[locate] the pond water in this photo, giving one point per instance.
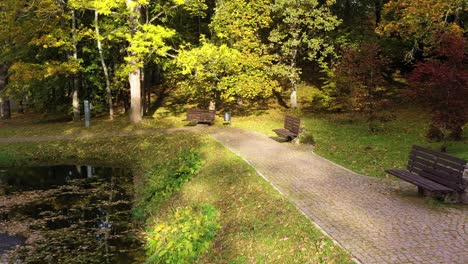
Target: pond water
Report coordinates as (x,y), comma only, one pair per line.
(68,214)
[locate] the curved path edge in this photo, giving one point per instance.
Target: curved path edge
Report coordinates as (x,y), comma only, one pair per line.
(367,216)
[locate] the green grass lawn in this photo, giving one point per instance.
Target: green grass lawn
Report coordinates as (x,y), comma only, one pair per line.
(257,223)
(341,138)
(347,141)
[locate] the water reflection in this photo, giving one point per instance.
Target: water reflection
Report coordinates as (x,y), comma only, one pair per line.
(69,214)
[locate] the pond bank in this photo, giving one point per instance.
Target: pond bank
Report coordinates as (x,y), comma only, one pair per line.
(70,213)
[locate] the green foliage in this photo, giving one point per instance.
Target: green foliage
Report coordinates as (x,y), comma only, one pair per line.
(6,159)
(186,234)
(303,24)
(150,40)
(165,179)
(332,97)
(300,33)
(240,23)
(219,71)
(418,22)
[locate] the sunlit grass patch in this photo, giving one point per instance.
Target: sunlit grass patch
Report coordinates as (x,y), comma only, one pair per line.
(257,223)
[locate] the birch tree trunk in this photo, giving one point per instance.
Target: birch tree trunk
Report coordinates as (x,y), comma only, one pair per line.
(104,65)
(75,99)
(134,76)
(293,77)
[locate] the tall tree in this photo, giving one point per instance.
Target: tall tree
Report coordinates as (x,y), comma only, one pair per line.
(134,75)
(300,31)
(419,22)
(221,73)
(104,65)
(147,38)
(239,28)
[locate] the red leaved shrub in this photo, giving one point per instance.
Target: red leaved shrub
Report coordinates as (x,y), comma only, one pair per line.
(441,83)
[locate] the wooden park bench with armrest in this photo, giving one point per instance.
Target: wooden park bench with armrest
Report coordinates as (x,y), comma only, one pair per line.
(201,116)
(292,127)
(433,171)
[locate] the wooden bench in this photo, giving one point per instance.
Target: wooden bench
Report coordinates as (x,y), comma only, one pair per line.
(433,171)
(201,116)
(292,127)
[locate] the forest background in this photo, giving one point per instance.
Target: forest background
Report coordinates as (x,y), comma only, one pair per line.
(128,56)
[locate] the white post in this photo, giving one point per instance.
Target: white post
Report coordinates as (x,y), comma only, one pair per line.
(87,111)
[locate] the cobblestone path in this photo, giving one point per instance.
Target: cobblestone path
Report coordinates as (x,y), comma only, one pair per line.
(365,215)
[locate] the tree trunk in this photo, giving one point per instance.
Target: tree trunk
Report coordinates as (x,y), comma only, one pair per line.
(293,78)
(20,107)
(378,12)
(75,99)
(347,12)
(134,77)
(5,111)
(104,66)
(135,96)
(143,91)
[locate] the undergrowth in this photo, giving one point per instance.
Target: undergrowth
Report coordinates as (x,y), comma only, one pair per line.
(188,233)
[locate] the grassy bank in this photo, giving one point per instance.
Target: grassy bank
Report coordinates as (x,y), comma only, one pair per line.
(256,223)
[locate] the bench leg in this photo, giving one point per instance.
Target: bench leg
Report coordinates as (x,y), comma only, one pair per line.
(420,191)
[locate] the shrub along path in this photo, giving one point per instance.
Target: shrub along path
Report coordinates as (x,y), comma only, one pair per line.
(363,214)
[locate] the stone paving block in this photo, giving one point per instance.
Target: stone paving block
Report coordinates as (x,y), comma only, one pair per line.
(365,215)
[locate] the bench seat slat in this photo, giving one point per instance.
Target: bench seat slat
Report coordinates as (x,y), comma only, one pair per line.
(433,176)
(284,132)
(423,162)
(292,124)
(436,170)
(451,165)
(423,155)
(450,171)
(419,181)
(447,157)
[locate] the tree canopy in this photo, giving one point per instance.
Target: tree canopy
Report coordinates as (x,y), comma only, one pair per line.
(126,55)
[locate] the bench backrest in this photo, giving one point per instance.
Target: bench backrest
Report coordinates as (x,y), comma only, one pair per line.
(201,115)
(292,124)
(438,167)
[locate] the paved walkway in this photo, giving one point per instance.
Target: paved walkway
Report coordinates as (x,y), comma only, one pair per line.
(363,214)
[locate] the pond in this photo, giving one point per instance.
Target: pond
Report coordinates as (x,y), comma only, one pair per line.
(68,214)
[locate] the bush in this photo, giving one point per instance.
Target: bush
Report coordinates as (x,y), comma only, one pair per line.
(6,159)
(306,137)
(187,234)
(440,82)
(360,79)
